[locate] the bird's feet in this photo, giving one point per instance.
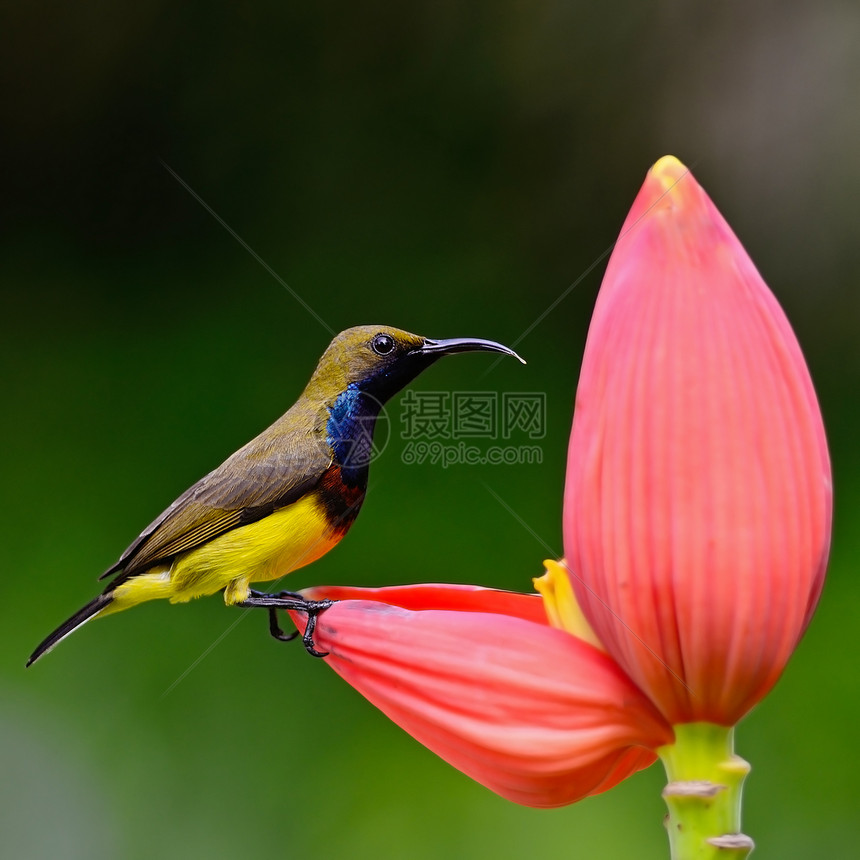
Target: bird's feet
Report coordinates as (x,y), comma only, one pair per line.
(289,600)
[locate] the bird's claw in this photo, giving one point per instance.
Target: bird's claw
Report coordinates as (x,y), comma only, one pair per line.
(289,600)
(308,635)
(275,628)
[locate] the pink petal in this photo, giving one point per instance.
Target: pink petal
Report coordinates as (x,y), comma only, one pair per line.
(531,712)
(698,495)
(437,595)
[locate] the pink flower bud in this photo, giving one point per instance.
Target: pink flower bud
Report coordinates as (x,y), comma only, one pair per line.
(698,497)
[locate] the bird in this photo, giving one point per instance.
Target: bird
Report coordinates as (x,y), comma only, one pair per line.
(282,500)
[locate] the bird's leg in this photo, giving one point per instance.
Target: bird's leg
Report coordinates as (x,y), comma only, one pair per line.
(290,601)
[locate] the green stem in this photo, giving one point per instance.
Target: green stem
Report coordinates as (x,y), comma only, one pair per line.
(704,794)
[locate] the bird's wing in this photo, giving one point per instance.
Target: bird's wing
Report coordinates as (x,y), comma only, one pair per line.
(249,485)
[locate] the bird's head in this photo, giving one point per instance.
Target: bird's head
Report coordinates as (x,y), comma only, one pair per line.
(381,360)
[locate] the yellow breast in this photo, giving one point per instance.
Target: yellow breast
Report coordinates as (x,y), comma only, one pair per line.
(270,548)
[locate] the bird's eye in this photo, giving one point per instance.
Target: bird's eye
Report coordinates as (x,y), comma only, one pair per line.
(382,344)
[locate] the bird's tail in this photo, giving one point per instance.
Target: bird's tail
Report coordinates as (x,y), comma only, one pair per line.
(93,608)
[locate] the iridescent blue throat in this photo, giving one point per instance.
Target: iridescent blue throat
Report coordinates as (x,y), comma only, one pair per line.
(349,432)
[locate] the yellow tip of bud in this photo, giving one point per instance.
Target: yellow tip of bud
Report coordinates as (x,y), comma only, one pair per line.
(669,169)
(671,183)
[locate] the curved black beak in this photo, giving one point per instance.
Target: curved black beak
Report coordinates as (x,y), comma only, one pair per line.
(438,348)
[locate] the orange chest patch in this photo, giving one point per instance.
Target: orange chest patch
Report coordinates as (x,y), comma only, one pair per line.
(340,501)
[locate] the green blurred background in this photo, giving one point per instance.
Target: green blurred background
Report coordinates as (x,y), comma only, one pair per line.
(445,167)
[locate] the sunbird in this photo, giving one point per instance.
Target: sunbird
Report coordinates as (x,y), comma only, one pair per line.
(281,501)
